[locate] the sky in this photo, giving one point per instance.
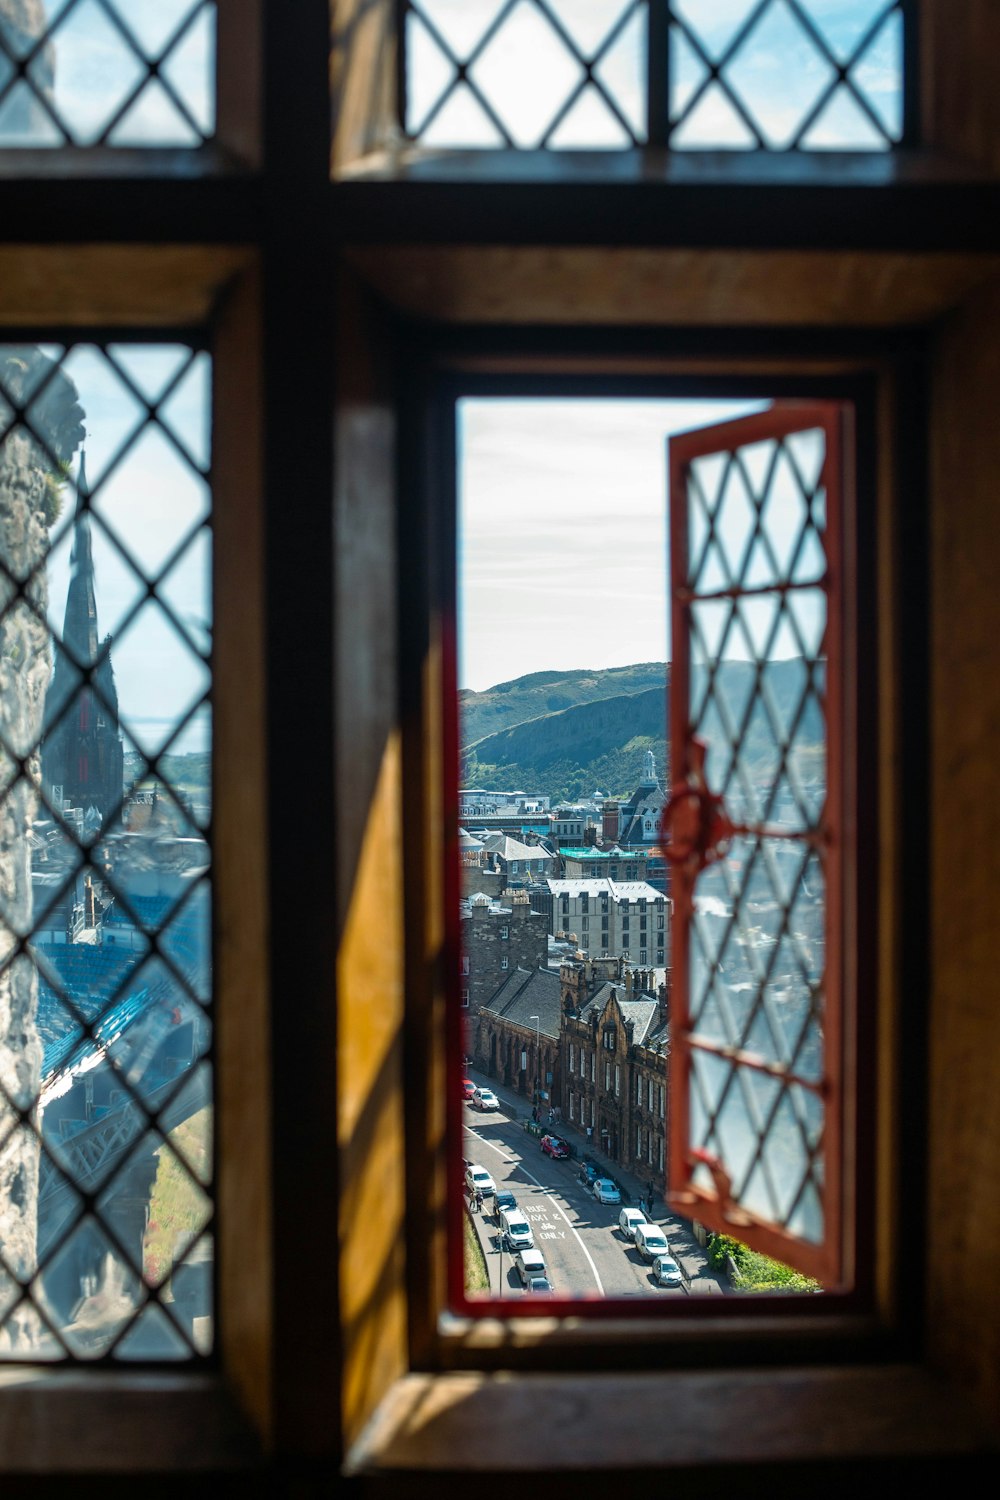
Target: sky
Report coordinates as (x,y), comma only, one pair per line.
(562,532)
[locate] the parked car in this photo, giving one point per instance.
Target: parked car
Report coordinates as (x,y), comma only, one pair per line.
(650,1241)
(468,1088)
(485,1099)
(515,1231)
(529,1263)
(606,1191)
(553,1146)
(503,1200)
(666,1271)
(627,1221)
(478,1177)
(540,1285)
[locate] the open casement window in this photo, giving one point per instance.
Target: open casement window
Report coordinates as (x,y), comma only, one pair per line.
(754,831)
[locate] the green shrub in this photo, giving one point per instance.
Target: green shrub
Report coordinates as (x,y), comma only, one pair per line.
(756,1272)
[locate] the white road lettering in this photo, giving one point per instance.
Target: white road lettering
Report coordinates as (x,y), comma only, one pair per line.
(513,1161)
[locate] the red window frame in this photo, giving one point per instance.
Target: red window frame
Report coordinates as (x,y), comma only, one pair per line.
(697,831)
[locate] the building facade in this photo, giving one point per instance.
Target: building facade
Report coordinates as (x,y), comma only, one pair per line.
(519,1037)
(629,918)
(497,938)
(615,1040)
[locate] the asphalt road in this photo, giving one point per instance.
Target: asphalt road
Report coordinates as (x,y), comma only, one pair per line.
(585,1254)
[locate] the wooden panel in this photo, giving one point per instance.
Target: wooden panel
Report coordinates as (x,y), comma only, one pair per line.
(963,1285)
(238,86)
(145,286)
(593,1429)
(368,858)
(244,1115)
(523,285)
(961,102)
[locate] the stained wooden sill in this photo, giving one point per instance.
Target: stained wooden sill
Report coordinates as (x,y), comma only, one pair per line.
(688,1429)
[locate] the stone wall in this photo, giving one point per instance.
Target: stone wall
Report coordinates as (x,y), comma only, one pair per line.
(27,379)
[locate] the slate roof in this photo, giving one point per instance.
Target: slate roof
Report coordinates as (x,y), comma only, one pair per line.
(596,885)
(644,1013)
(526,994)
(511,848)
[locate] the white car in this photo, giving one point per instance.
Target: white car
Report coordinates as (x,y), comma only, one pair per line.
(606,1191)
(516,1231)
(484,1099)
(627,1220)
(477,1178)
(666,1271)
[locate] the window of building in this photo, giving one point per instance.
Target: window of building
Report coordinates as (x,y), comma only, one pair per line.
(572,1057)
(607,1077)
(106,953)
(464,964)
(464,996)
(505,932)
(642,955)
(692,75)
(617,1079)
(311,1365)
(109,76)
(505,962)
(583,1063)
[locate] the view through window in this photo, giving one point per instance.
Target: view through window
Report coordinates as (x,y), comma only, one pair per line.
(107,72)
(572,906)
(694,74)
(105,896)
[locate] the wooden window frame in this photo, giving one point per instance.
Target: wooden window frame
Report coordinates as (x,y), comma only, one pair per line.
(351,1383)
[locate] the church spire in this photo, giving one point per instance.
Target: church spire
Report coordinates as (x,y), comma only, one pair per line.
(80,622)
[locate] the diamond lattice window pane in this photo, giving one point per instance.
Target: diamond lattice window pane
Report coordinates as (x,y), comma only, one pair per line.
(781,74)
(105,916)
(526,73)
(99,72)
(754,925)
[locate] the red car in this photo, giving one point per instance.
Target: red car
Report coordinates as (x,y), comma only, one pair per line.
(553,1146)
(468,1088)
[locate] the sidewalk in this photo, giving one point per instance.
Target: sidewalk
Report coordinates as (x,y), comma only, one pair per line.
(689,1254)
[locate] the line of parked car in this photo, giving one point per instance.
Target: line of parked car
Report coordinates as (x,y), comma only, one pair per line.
(513,1228)
(651,1242)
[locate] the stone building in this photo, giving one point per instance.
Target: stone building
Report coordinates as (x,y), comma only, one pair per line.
(518,862)
(626,917)
(615,1037)
(519,1036)
(497,937)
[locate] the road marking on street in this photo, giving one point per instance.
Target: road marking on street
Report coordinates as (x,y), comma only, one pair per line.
(518,1161)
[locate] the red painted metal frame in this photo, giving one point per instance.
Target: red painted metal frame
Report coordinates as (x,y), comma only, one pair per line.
(832,1261)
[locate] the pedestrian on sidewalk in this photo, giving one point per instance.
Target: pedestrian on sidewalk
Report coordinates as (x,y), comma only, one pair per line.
(479,1199)
(649,1195)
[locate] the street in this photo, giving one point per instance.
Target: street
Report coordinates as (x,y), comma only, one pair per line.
(584,1251)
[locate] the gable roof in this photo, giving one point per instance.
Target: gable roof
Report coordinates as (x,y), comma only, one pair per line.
(526,994)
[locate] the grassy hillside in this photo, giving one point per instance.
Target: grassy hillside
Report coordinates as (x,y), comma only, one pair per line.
(601,742)
(539,693)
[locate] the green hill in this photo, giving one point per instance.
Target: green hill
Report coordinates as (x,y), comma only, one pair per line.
(600,743)
(541,693)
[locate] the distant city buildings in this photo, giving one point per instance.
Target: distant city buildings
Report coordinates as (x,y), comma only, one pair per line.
(627,918)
